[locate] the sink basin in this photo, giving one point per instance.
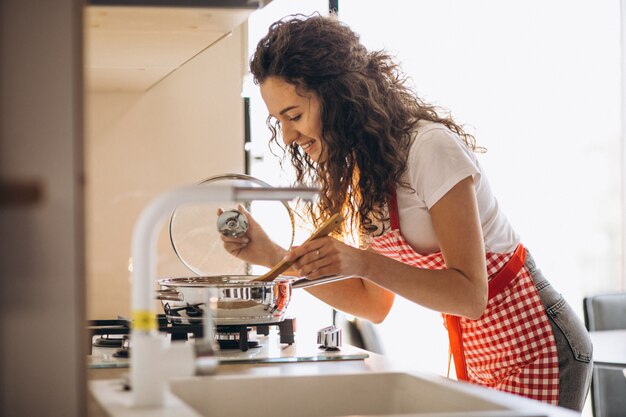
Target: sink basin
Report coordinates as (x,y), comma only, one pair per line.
(365,394)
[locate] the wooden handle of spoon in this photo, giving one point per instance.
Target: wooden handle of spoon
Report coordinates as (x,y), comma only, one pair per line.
(327,227)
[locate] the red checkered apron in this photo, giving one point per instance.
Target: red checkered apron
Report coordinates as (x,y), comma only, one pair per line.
(511,347)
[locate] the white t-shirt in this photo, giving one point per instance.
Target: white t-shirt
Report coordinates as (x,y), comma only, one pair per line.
(438,160)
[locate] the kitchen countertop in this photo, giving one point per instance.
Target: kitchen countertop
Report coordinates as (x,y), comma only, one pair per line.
(109,399)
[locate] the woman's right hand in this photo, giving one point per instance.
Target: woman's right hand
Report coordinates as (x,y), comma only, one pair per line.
(255,247)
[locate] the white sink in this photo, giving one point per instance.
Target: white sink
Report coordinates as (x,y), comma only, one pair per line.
(366,394)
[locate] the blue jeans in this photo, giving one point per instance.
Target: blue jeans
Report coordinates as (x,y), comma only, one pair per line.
(573,343)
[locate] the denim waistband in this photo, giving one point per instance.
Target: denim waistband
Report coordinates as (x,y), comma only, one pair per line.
(535,273)
(530,263)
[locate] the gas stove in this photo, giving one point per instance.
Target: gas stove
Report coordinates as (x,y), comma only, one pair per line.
(109,342)
(113,333)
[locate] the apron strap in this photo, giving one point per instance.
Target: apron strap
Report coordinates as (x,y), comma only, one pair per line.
(496,286)
(508,272)
(453,324)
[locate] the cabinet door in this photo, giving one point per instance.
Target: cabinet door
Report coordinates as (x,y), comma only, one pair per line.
(41,249)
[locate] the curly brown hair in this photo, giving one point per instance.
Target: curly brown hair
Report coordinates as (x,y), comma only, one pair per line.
(369,115)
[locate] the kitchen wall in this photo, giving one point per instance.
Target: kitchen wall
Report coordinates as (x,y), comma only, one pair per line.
(139,144)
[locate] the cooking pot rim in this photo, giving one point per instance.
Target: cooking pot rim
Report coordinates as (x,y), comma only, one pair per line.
(220,281)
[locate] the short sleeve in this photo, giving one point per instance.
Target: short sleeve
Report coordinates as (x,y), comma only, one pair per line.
(439,160)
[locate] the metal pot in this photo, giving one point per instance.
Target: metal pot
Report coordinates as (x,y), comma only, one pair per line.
(240,299)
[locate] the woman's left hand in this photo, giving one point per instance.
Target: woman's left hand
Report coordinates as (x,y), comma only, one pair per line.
(327,256)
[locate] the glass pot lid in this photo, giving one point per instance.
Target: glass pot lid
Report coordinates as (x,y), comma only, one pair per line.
(195,238)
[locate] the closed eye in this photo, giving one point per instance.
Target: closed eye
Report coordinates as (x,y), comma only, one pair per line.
(295,118)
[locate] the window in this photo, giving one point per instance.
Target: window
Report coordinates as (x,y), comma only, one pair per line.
(538,83)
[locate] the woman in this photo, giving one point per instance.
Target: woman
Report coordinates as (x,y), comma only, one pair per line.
(408,181)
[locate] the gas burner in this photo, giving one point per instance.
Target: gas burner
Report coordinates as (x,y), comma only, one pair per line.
(109,341)
(123,352)
(235,337)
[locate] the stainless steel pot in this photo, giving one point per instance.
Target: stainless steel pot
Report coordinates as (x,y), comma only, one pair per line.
(240,300)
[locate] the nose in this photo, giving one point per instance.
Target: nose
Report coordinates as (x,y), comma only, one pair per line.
(290,134)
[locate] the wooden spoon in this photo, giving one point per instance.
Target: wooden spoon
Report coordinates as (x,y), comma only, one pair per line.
(328,226)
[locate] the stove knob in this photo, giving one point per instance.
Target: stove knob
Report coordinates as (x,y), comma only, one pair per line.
(322,332)
(329,338)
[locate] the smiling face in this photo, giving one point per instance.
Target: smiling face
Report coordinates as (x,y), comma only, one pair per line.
(299,115)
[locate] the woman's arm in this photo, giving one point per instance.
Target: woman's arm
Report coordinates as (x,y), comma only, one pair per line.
(357,297)
(461,289)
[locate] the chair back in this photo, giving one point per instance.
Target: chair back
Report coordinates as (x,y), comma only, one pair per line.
(605,312)
(608,385)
